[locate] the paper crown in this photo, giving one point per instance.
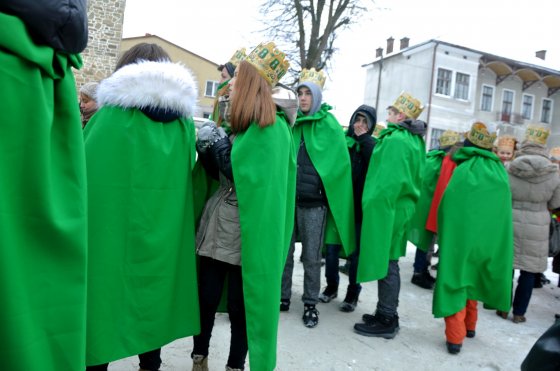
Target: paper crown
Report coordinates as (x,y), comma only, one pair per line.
(537,134)
(480,136)
(449,138)
(408,105)
(555,152)
(506,142)
(238,56)
(269,61)
(316,77)
(379,127)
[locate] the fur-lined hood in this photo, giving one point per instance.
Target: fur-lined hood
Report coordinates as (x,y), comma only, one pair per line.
(163,86)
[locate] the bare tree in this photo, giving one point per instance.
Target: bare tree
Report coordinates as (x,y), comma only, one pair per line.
(308,29)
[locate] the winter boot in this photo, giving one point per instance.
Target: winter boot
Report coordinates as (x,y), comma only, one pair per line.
(284,305)
(310,316)
(233,369)
(453,348)
(350,301)
(423,280)
(200,362)
(328,294)
(381,326)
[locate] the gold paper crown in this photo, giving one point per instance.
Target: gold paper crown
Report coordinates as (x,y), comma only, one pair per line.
(269,61)
(537,134)
(449,138)
(480,136)
(379,127)
(506,141)
(408,105)
(238,56)
(316,77)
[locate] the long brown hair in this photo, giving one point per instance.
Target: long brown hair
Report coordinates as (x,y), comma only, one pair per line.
(252,99)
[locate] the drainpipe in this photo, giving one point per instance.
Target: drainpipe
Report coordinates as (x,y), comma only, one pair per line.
(430,94)
(379,83)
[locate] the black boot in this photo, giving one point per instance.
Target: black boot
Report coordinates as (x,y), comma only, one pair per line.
(423,280)
(350,301)
(453,348)
(380,326)
(328,294)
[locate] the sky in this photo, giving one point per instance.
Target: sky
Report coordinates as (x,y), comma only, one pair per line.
(214,29)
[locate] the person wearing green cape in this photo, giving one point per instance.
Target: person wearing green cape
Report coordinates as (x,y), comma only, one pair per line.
(43,200)
(391,190)
(418,235)
(245,228)
(360,147)
(140,152)
(323,192)
(222,94)
(475,235)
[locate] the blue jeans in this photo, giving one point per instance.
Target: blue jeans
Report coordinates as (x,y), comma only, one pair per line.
(331,268)
(422,258)
(523,292)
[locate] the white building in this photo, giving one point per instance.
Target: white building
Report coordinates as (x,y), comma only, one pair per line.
(459,85)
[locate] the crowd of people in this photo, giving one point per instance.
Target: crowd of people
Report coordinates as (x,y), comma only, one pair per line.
(143,228)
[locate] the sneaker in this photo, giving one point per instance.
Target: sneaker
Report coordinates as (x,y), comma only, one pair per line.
(422,280)
(310,316)
(453,348)
(328,294)
(350,302)
(382,326)
(471,333)
(519,319)
(284,305)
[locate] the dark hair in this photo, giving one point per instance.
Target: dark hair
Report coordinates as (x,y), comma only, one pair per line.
(142,51)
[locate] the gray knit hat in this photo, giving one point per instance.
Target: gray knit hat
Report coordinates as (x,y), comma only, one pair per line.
(90,89)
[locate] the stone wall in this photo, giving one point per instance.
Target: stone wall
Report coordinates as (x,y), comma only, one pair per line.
(105,21)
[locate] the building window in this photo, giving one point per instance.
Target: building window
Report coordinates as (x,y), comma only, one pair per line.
(443,85)
(487,98)
(434,138)
(507,105)
(462,86)
(211,88)
(527,109)
(546,113)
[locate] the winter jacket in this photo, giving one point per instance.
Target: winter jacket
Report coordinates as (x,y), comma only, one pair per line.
(360,149)
(59,24)
(309,187)
(535,188)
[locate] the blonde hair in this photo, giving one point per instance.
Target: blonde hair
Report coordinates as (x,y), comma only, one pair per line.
(252,100)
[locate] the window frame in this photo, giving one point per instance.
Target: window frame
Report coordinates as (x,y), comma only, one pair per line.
(214,88)
(550,110)
(450,82)
(512,101)
(532,109)
(435,133)
(457,85)
(491,103)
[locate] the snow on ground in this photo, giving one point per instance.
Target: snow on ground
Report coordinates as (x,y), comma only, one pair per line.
(420,345)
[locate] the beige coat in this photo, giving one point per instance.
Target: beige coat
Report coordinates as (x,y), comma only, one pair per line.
(535,188)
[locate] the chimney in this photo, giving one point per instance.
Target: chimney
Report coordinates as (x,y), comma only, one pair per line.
(378,52)
(404,43)
(390,45)
(541,54)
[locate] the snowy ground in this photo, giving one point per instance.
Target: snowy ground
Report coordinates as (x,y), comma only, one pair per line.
(420,345)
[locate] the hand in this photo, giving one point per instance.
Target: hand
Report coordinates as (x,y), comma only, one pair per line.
(360,130)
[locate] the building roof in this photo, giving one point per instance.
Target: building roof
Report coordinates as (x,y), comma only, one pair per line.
(503,67)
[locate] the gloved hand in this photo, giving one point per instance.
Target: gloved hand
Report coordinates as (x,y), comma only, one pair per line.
(206,136)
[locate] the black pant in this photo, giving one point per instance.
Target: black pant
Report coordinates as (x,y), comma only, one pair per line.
(212,276)
(148,361)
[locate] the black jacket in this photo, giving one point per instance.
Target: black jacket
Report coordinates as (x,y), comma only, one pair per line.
(309,187)
(60,24)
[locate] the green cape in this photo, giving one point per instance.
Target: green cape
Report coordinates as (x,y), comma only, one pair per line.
(142,285)
(475,235)
(42,206)
(417,234)
(326,144)
(264,170)
(391,190)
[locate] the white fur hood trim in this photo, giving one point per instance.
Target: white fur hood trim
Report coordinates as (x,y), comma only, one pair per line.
(161,85)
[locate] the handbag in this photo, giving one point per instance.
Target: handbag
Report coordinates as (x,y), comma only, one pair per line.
(554,238)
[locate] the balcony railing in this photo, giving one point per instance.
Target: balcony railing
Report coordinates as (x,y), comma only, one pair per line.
(512,118)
